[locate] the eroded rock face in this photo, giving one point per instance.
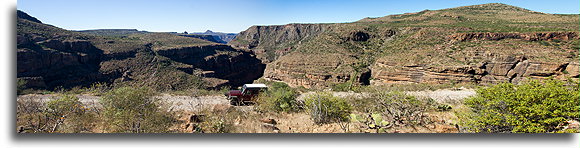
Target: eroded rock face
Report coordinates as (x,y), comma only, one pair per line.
(542,36)
(219,61)
(311,70)
(51,63)
(502,69)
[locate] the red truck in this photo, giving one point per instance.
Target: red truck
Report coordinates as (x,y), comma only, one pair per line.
(246,94)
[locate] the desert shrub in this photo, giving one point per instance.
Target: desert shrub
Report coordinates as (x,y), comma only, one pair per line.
(397,107)
(70,115)
(31,117)
(217,124)
(325,108)
(65,114)
(532,107)
(400,107)
(134,110)
(278,98)
(224,120)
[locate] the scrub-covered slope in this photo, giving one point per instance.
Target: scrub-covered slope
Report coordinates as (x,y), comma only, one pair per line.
(486,43)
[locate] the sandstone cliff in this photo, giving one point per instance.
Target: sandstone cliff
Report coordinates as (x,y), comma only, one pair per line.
(504,69)
(50,62)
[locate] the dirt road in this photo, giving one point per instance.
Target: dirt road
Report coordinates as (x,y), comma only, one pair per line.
(195,103)
(441,96)
(175,103)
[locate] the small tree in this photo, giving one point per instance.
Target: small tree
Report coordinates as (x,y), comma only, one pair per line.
(69,115)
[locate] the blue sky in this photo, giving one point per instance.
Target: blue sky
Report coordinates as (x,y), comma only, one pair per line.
(238,15)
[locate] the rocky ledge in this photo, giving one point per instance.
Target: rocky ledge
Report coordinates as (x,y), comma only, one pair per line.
(536,36)
(502,69)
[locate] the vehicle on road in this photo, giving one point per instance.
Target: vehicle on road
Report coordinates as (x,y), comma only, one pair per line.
(246,94)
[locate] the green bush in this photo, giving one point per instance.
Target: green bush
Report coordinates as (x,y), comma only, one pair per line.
(65,105)
(134,110)
(20,86)
(532,107)
(279,98)
(69,115)
(325,108)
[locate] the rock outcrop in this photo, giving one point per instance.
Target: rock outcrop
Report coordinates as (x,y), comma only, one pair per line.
(311,71)
(502,69)
(218,61)
(51,63)
(539,36)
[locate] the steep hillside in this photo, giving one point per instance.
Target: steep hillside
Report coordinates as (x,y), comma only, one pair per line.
(50,57)
(271,42)
(487,43)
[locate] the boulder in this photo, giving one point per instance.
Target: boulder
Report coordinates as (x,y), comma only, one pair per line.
(573,69)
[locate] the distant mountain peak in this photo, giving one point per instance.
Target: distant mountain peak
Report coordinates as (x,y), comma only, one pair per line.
(209,31)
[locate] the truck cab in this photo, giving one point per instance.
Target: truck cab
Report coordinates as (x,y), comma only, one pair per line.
(246,94)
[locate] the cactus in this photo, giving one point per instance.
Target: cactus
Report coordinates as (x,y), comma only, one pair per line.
(373,121)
